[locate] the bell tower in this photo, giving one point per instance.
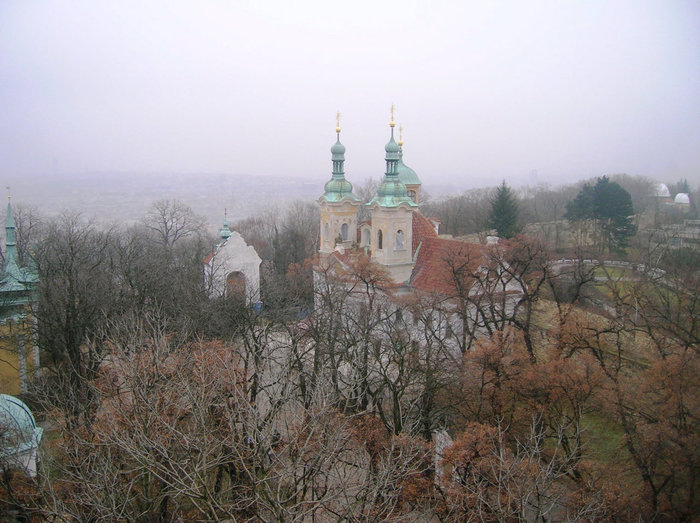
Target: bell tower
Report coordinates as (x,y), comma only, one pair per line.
(392,217)
(338,204)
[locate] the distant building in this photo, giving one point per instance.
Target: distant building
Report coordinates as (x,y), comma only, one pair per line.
(661,193)
(19,353)
(233,268)
(666,202)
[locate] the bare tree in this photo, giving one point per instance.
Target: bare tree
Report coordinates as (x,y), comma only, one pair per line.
(29,222)
(171,221)
(76,296)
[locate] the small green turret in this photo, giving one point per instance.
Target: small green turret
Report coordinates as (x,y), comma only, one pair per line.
(225,232)
(392,191)
(338,188)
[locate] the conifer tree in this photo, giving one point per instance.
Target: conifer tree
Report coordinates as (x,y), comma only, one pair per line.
(610,206)
(504,212)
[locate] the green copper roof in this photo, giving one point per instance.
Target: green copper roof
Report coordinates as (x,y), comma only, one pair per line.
(392,191)
(338,150)
(225,232)
(407,175)
(338,188)
(17,284)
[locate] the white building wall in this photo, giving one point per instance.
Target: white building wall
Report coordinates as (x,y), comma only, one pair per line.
(234,255)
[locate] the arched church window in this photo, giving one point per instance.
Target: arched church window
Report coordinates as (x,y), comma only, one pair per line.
(326,232)
(344,231)
(379,239)
(365,237)
(399,239)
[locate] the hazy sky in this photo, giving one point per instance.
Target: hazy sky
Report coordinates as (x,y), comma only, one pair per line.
(527,91)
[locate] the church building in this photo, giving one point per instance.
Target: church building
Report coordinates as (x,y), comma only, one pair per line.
(393,234)
(395,229)
(232,269)
(402,241)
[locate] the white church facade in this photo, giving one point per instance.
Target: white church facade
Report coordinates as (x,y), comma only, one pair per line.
(233,268)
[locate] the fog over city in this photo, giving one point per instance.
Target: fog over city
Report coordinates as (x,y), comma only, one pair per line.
(530,92)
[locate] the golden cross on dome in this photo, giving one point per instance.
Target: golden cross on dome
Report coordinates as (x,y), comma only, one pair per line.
(9,195)
(391,124)
(337,122)
(400,135)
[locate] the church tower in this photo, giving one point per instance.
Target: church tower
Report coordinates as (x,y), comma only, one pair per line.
(338,204)
(392,217)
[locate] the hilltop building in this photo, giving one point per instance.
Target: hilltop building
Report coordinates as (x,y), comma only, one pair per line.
(664,201)
(405,243)
(233,268)
(19,352)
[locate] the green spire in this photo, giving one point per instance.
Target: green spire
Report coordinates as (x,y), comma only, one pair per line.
(11,265)
(338,188)
(225,232)
(392,191)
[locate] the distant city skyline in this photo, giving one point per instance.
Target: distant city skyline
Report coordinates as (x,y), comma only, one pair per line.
(530,92)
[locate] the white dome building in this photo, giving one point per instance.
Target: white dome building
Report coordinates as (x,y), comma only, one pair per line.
(682,198)
(661,191)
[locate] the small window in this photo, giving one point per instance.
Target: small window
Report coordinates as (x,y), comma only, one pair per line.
(326,232)
(344,232)
(399,240)
(379,240)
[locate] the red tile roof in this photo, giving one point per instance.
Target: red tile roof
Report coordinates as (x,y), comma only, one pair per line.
(441,263)
(422,228)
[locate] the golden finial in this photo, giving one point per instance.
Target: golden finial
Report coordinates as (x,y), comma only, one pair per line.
(391,123)
(9,195)
(400,135)
(337,122)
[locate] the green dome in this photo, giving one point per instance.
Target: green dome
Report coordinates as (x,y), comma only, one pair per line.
(18,430)
(391,187)
(338,148)
(337,189)
(225,232)
(407,175)
(392,191)
(392,148)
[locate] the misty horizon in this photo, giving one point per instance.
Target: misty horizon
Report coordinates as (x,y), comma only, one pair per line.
(534,93)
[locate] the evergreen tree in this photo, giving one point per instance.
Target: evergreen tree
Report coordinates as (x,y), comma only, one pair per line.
(610,206)
(581,207)
(504,212)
